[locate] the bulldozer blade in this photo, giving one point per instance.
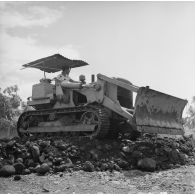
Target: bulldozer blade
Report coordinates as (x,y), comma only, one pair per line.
(158,113)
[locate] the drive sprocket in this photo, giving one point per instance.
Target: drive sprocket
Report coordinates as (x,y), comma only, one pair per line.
(98,116)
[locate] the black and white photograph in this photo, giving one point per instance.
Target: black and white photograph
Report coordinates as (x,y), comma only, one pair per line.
(97,97)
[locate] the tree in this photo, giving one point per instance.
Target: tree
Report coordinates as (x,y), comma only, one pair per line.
(5,107)
(191,110)
(14,99)
(9,109)
(25,107)
(190,120)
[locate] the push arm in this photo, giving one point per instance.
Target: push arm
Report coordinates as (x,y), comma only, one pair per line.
(118,83)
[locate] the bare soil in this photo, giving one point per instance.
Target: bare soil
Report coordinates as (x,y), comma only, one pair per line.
(179,180)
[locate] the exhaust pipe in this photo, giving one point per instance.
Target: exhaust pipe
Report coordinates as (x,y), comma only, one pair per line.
(92,78)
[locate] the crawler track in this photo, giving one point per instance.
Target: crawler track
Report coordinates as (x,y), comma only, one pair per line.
(90,114)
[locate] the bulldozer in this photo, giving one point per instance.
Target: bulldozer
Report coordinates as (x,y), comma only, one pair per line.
(99,109)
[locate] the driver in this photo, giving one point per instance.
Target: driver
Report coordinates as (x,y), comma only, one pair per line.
(64,76)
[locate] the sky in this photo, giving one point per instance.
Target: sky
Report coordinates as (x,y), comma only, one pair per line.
(148,43)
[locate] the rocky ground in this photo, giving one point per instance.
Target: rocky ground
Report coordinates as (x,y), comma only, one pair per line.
(179,180)
(71,164)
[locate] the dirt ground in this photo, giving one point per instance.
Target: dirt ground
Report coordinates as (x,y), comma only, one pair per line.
(179,180)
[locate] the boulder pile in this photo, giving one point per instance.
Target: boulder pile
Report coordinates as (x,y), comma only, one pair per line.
(58,154)
(152,153)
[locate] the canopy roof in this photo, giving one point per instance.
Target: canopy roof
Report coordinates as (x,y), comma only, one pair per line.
(54,63)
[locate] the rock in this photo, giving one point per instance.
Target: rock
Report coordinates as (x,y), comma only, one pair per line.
(19,160)
(45,189)
(42,158)
(185,149)
(157,151)
(35,152)
(107,146)
(94,154)
(32,169)
(27,144)
(167,150)
(57,161)
(30,163)
(136,154)
(64,153)
(44,144)
(24,150)
(18,151)
(10,144)
(17,177)
(105,155)
(99,147)
(163,158)
(28,155)
(70,170)
(60,168)
(159,142)
(126,149)
(167,166)
(48,162)
(88,166)
(171,166)
(7,170)
(78,168)
(26,171)
(74,147)
(19,167)
(62,162)
(37,167)
(44,168)
(74,154)
(97,169)
(183,158)
(174,156)
(187,137)
(83,148)
(116,167)
(190,153)
(11,159)
(62,146)
(68,163)
(122,154)
(50,158)
(111,166)
(177,166)
(122,163)
(147,164)
(175,145)
(104,167)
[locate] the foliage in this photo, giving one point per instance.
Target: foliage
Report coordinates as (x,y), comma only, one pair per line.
(5,107)
(25,107)
(6,127)
(14,99)
(9,108)
(9,102)
(190,120)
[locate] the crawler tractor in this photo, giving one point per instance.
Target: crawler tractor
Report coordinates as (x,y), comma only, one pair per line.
(98,109)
